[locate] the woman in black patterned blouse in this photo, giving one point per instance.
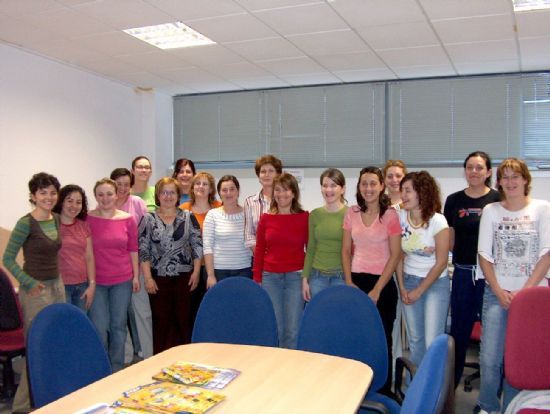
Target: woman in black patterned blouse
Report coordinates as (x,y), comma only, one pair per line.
(170,251)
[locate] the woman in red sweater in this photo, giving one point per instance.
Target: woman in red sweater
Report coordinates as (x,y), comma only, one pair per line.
(281,239)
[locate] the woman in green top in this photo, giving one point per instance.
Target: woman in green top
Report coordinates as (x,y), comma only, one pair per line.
(37,233)
(323,263)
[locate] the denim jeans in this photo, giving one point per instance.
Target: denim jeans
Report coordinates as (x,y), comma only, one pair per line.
(321,280)
(109,315)
(73,295)
(491,358)
(285,291)
(427,317)
(222,274)
(466,303)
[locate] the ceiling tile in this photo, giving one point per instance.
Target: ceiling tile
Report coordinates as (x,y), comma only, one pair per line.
(238,71)
(535,53)
(255,5)
(322,78)
(350,61)
(399,35)
(361,13)
(475,29)
(124,14)
(534,23)
(500,66)
(291,66)
(437,9)
(328,43)
(377,74)
(144,80)
(264,82)
(414,56)
(424,71)
(306,18)
(187,9)
(155,61)
(115,43)
(69,51)
(268,48)
(20,34)
(207,55)
(232,28)
(111,67)
(498,50)
(20,7)
(178,89)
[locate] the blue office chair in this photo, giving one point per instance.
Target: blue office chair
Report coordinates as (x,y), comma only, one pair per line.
(236,311)
(64,353)
(431,390)
(343,321)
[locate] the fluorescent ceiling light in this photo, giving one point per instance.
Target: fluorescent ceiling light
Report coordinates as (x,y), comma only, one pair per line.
(527,5)
(170,36)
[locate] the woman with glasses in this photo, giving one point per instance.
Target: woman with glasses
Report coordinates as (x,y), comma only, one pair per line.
(170,251)
(184,171)
(141,171)
(463,213)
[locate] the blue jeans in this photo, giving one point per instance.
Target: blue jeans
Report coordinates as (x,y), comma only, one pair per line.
(73,294)
(319,280)
(109,315)
(222,274)
(427,317)
(491,358)
(285,291)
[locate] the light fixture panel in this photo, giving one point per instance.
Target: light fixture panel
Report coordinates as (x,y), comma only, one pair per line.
(170,36)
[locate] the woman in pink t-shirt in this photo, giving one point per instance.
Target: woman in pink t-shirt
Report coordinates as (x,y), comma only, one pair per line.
(76,256)
(114,238)
(372,228)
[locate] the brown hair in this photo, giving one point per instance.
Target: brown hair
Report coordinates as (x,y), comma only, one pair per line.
(182,162)
(211,184)
(268,159)
(161,184)
(288,182)
(427,190)
(335,175)
(394,163)
(384,201)
(140,157)
(517,166)
(105,181)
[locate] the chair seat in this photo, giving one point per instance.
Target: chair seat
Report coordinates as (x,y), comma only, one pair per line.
(12,340)
(389,403)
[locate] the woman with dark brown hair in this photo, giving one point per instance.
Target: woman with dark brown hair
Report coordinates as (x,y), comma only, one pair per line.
(423,280)
(184,171)
(279,256)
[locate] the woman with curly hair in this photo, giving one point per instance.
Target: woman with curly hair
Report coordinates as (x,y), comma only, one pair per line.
(372,227)
(76,257)
(423,281)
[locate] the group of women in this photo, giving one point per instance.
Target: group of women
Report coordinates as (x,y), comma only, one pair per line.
(393,245)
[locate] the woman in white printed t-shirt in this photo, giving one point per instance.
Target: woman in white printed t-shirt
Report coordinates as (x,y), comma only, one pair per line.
(514,235)
(423,281)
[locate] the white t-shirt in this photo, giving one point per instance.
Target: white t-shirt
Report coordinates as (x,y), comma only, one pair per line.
(514,240)
(418,243)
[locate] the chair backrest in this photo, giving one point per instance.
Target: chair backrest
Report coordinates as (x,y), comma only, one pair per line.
(526,362)
(10,312)
(64,353)
(430,385)
(236,311)
(343,321)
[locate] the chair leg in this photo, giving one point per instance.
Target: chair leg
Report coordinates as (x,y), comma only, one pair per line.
(8,388)
(472,377)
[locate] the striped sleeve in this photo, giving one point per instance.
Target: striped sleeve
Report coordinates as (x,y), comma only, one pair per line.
(18,236)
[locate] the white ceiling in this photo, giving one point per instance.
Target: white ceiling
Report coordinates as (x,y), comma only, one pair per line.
(279,43)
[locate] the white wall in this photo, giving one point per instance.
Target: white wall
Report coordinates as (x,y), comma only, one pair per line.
(73,124)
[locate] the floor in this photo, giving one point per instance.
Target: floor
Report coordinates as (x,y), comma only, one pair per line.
(464,401)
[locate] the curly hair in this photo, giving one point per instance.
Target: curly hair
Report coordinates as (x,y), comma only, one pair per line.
(268,159)
(384,201)
(518,166)
(65,192)
(211,184)
(42,180)
(288,182)
(161,184)
(427,190)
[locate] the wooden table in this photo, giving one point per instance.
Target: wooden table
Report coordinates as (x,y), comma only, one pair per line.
(272,380)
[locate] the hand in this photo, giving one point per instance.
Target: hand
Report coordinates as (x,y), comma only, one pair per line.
(151,286)
(210,281)
(37,290)
(306,293)
(404,296)
(505,298)
(88,296)
(374,294)
(135,284)
(413,295)
(193,281)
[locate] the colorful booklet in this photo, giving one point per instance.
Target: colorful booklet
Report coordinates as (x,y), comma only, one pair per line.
(167,398)
(205,376)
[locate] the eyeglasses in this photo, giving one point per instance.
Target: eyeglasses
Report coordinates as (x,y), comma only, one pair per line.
(142,167)
(166,193)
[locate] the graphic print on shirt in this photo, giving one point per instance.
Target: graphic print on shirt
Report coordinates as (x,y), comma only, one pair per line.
(412,242)
(517,246)
(467,212)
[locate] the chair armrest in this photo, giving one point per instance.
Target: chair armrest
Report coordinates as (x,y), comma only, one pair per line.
(374,406)
(401,364)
